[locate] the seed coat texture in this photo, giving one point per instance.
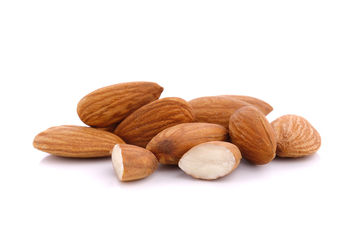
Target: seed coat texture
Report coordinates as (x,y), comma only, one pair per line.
(253,135)
(132,162)
(170,144)
(296,137)
(146,122)
(76,141)
(110,105)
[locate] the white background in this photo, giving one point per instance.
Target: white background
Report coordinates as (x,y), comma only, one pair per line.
(293,54)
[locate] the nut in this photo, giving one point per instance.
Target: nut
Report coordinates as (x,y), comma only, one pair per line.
(170,144)
(215,109)
(253,135)
(259,104)
(132,162)
(109,105)
(109,128)
(210,160)
(146,122)
(76,141)
(296,137)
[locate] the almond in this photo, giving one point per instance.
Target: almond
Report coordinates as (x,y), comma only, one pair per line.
(76,141)
(132,162)
(211,160)
(253,134)
(108,105)
(296,137)
(146,122)
(170,144)
(259,104)
(215,109)
(109,128)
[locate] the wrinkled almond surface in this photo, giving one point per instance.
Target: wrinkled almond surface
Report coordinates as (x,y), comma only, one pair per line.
(132,162)
(170,144)
(109,105)
(258,103)
(253,135)
(215,109)
(296,137)
(76,141)
(146,122)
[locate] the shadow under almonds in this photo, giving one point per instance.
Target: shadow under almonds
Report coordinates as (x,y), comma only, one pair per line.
(294,161)
(56,160)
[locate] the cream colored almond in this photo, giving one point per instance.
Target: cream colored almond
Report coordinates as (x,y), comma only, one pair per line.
(210,160)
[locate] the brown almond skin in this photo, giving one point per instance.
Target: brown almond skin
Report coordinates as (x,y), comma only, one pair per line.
(253,135)
(138,162)
(76,141)
(296,137)
(215,109)
(146,122)
(259,104)
(110,128)
(172,143)
(109,105)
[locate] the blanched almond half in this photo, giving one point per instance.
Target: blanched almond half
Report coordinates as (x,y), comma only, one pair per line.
(211,160)
(132,162)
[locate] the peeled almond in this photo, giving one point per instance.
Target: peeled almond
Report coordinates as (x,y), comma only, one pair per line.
(131,162)
(211,160)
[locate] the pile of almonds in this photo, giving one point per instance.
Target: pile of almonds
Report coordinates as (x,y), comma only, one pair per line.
(206,137)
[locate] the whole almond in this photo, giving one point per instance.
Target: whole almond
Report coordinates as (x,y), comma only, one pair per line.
(296,137)
(132,162)
(170,144)
(259,104)
(253,135)
(109,105)
(215,109)
(210,160)
(76,141)
(146,122)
